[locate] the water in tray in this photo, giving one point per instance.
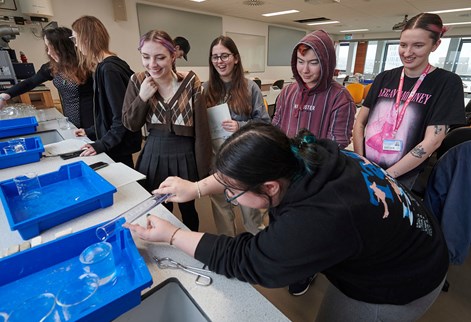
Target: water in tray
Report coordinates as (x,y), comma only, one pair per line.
(53,197)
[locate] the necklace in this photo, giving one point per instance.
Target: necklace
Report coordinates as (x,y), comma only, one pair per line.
(174,88)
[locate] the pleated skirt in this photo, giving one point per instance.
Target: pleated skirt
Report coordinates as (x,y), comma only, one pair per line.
(166,154)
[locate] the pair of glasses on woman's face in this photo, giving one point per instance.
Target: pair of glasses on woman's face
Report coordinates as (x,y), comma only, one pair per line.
(223,57)
(231,197)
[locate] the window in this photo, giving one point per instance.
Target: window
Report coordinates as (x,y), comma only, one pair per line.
(342,56)
(438,57)
(370,57)
(391,59)
(463,63)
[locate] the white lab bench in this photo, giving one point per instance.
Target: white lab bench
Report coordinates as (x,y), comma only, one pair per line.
(224,300)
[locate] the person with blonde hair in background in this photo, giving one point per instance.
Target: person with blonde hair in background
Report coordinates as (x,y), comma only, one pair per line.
(110,76)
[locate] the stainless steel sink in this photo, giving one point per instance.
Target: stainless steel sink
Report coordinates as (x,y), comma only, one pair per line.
(47,137)
(169,301)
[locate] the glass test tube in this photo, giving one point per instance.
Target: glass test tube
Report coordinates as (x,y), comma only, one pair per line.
(108,229)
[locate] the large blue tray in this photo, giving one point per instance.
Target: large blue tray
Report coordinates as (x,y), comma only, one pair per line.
(18,126)
(48,267)
(75,189)
(34,150)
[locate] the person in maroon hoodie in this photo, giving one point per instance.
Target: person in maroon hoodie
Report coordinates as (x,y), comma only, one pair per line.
(315,101)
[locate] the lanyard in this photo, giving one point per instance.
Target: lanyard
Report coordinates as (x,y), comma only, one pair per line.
(400,115)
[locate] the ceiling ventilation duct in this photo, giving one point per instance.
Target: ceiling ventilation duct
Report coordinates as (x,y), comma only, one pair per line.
(253,3)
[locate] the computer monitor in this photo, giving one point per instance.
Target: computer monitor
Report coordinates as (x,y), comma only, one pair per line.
(23,70)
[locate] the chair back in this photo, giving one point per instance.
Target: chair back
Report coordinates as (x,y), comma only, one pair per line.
(279,83)
(454,137)
(356,91)
(258,82)
(447,197)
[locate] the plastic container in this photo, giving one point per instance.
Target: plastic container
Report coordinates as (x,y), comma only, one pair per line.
(18,126)
(51,266)
(75,189)
(32,153)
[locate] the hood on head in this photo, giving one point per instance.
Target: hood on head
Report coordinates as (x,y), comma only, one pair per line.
(323,46)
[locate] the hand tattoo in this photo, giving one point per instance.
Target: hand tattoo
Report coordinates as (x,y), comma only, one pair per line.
(418,151)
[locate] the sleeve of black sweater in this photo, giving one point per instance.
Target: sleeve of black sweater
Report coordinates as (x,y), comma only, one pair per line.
(114,87)
(291,249)
(43,75)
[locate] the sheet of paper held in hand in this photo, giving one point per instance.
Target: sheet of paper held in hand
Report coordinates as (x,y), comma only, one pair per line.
(216,115)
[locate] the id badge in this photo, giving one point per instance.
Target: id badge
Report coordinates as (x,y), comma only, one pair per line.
(392,145)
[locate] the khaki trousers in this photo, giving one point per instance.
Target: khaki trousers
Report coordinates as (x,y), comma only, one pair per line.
(224,216)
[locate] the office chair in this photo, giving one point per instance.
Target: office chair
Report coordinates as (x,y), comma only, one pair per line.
(258,82)
(447,197)
(279,83)
(356,91)
(345,80)
(454,137)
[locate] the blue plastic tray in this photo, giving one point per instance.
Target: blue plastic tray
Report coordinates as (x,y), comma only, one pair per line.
(19,126)
(34,150)
(48,267)
(75,189)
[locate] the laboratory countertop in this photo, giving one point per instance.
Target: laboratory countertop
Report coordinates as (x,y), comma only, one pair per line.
(224,300)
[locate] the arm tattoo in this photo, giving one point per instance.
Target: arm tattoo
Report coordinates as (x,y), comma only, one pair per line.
(438,129)
(418,151)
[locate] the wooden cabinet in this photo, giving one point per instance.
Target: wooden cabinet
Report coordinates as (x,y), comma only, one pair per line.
(39,99)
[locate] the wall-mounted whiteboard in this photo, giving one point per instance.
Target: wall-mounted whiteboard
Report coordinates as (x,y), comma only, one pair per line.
(199,29)
(281,42)
(251,49)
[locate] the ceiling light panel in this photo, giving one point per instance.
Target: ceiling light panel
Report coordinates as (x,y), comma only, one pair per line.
(279,13)
(322,23)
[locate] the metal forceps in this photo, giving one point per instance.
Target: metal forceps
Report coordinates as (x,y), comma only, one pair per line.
(201,279)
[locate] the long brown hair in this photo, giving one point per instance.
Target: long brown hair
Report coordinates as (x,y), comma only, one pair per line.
(239,98)
(93,37)
(68,66)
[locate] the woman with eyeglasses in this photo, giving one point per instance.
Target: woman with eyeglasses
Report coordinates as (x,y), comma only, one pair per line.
(110,76)
(409,109)
(73,82)
(331,211)
(170,104)
(244,99)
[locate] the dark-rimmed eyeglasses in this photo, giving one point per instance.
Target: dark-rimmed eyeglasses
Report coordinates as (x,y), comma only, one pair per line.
(231,197)
(222,57)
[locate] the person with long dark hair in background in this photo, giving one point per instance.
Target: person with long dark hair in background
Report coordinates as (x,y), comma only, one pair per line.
(244,99)
(73,82)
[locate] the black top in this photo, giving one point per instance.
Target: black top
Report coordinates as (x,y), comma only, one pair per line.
(350,221)
(77,100)
(110,82)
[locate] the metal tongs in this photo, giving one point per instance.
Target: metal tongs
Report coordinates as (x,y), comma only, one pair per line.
(201,279)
